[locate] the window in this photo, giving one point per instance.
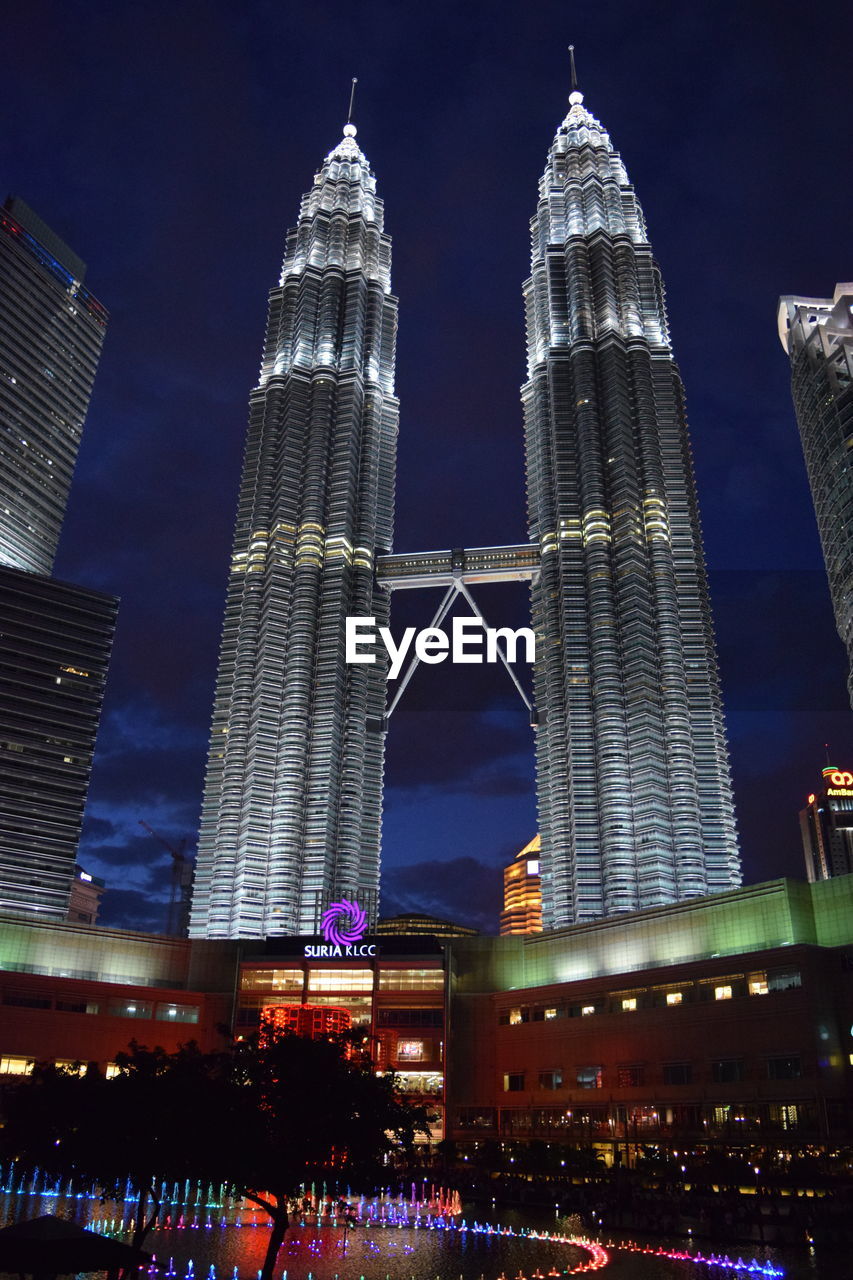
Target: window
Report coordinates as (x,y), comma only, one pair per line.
(550,1079)
(629,1004)
(27,1002)
(112,1070)
(517,1016)
(553,1012)
(757,984)
(177,1013)
(130,1009)
(677,1073)
(673,997)
(70,1066)
(411,980)
(12,1066)
(630,1076)
(784,1068)
(340,980)
(514,1082)
(590,1077)
(410,1051)
(784,979)
(78,1006)
(727,1070)
(722,993)
(786,1115)
(411,1018)
(587,1009)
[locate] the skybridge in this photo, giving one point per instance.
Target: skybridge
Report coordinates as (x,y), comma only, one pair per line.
(457,570)
(472,565)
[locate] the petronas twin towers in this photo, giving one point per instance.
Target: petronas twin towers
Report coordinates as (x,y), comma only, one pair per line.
(634,792)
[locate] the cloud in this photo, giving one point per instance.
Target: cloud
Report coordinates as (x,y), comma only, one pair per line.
(132,909)
(464,890)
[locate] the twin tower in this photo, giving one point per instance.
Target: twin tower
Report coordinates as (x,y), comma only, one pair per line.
(634,792)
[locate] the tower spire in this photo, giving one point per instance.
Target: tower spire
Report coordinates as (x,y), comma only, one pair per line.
(575,97)
(351,99)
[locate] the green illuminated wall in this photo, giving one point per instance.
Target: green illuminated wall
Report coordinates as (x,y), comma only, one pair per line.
(776,914)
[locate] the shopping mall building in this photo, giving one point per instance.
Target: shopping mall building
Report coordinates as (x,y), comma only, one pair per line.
(724,1020)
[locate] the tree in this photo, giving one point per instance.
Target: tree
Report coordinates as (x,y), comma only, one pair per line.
(261,1118)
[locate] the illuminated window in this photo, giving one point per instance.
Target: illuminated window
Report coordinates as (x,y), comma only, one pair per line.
(70,1067)
(11,1066)
(177,1013)
(722,993)
(411,980)
(550,1013)
(340,980)
(112,1070)
(587,1009)
(673,997)
(758,984)
(275,979)
(630,1077)
(130,1009)
(630,1004)
(410,1050)
(590,1077)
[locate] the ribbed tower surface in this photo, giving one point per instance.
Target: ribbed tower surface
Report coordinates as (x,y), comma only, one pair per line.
(633,776)
(292,808)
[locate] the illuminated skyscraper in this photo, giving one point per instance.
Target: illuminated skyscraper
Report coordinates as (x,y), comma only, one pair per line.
(51,334)
(635,803)
(826,825)
(817,333)
(55,638)
(292,807)
(522,911)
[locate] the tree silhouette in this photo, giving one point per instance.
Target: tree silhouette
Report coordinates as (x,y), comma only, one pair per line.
(262,1118)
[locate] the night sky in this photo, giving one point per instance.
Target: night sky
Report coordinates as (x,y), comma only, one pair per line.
(170,142)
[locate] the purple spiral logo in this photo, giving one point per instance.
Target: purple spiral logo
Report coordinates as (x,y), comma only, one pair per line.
(343,922)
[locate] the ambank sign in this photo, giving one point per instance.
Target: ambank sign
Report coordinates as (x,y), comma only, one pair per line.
(343,925)
(839,782)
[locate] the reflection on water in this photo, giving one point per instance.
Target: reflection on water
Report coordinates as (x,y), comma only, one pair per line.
(224,1241)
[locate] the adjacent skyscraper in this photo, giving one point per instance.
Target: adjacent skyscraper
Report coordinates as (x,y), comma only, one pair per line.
(826,825)
(635,798)
(55,638)
(817,334)
(51,334)
(292,807)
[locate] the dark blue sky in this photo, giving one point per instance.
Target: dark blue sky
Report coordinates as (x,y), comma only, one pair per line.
(170,144)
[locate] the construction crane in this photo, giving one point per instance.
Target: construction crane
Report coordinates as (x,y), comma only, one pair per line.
(176,916)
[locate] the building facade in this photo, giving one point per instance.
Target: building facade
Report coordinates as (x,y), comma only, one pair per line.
(51,333)
(55,642)
(634,792)
(817,334)
(826,825)
(55,638)
(292,807)
(724,1021)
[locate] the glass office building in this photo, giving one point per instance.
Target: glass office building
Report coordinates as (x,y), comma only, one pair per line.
(55,642)
(292,806)
(51,334)
(817,334)
(635,801)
